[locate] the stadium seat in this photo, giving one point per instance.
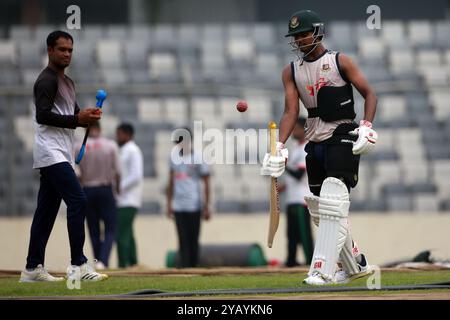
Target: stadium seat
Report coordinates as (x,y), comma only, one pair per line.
(263,35)
(8,52)
(200,72)
(117,32)
(393,34)
(420,33)
(109,54)
(442,39)
(21,32)
(341,34)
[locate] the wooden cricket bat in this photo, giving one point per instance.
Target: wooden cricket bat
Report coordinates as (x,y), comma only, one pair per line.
(274,198)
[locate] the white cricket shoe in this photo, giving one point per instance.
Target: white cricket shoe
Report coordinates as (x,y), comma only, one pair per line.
(341,276)
(85,272)
(317,279)
(38,274)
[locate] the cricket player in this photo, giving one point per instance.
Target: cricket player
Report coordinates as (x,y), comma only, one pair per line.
(322,80)
(55,118)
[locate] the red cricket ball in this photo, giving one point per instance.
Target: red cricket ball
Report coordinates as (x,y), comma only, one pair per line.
(242,106)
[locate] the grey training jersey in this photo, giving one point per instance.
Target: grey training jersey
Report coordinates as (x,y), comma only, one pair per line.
(187,191)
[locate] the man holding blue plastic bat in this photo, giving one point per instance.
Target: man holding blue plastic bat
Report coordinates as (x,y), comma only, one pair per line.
(56,116)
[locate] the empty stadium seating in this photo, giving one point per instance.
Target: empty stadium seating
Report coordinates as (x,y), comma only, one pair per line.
(199,72)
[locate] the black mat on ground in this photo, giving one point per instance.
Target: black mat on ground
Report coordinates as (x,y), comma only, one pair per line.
(324,289)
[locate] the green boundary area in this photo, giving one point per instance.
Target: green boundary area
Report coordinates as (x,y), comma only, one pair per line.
(10,287)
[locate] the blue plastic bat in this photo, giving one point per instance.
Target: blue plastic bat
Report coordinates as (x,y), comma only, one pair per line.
(101,96)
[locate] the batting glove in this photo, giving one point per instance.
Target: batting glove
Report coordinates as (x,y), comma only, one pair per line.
(275,165)
(367,137)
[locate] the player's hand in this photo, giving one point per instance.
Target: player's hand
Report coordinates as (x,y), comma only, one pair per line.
(170,214)
(89,115)
(367,137)
(206,214)
(275,165)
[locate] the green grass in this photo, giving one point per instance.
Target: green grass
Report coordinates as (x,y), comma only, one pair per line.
(10,287)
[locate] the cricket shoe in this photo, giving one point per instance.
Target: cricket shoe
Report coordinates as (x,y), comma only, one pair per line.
(341,276)
(38,274)
(317,279)
(85,272)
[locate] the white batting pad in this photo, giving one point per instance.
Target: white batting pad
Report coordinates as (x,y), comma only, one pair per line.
(347,256)
(313,207)
(333,228)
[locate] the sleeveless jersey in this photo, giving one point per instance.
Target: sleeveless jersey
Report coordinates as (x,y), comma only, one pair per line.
(309,77)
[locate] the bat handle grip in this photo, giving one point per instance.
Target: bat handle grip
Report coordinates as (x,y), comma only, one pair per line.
(273,138)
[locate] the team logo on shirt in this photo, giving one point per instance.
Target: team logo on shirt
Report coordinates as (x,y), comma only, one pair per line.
(295,22)
(326,67)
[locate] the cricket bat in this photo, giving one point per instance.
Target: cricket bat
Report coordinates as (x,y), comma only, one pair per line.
(274,218)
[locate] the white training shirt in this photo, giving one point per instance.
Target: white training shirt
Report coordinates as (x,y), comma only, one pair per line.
(296,189)
(309,77)
(53,145)
(132,176)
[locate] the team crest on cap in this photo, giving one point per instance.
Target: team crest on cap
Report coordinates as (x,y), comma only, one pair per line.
(295,22)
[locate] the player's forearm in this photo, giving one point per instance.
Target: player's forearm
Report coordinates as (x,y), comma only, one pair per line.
(370,106)
(118,183)
(170,193)
(287,124)
(206,180)
(45,116)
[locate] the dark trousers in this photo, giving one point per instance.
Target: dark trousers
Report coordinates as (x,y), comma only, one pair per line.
(58,182)
(188,228)
(331,159)
(299,233)
(126,245)
(101,207)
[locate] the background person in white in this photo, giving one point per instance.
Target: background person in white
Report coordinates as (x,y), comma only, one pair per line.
(296,188)
(185,202)
(130,196)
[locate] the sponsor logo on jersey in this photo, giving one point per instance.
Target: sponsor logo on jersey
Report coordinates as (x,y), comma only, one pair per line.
(319,84)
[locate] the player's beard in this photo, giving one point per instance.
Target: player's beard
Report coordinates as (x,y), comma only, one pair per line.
(306,48)
(61,64)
